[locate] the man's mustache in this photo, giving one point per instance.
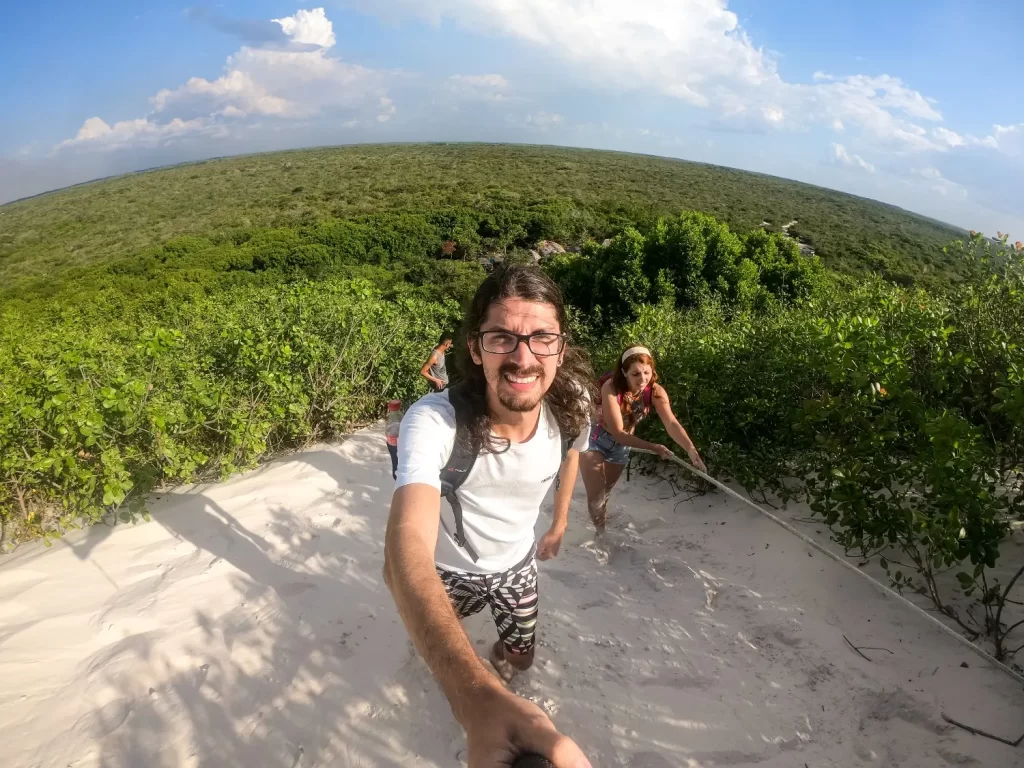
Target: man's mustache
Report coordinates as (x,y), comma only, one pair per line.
(511,369)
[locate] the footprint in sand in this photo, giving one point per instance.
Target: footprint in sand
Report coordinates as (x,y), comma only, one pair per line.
(568,578)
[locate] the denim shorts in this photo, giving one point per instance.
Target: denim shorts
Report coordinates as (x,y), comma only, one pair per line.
(604,443)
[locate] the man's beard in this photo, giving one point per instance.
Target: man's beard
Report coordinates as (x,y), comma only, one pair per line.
(521,402)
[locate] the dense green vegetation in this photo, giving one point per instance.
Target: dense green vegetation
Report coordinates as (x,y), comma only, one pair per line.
(686,261)
(481,186)
(183,324)
(93,415)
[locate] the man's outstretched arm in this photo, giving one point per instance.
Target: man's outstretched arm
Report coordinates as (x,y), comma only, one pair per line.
(422,601)
(499,725)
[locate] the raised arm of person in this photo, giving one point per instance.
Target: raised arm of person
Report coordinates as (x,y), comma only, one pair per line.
(614,426)
(425,370)
(674,428)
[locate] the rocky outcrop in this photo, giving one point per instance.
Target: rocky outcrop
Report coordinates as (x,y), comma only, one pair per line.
(547,248)
(490,260)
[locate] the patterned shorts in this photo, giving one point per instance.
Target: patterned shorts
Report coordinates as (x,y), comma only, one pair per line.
(511,595)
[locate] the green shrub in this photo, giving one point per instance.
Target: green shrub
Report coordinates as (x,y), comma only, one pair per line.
(688,260)
(92,416)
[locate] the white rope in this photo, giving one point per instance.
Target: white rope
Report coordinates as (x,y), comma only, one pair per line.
(846,564)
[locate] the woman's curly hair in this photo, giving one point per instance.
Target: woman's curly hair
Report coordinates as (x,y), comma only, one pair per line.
(571,393)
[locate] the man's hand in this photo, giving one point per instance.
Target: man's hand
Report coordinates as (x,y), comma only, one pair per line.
(549,544)
(502,726)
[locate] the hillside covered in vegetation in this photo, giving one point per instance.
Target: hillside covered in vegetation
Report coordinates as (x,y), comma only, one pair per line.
(183,324)
(484,188)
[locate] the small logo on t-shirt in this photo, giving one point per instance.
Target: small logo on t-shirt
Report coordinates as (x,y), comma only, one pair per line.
(549,477)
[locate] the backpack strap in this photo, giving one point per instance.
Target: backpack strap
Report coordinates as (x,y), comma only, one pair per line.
(455,472)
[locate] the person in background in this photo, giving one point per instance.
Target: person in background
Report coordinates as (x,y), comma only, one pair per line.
(625,400)
(391,430)
(435,370)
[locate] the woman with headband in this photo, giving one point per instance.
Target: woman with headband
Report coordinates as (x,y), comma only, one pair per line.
(626,398)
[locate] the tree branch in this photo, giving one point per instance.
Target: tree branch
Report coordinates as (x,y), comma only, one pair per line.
(978,732)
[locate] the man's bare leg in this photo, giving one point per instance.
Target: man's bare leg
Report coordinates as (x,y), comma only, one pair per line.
(508,665)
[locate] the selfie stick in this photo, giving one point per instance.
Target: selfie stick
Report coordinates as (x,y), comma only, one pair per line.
(532,761)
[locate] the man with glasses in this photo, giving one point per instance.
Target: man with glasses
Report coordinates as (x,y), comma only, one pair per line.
(522,415)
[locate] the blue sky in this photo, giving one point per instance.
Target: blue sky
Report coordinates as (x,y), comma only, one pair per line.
(920,104)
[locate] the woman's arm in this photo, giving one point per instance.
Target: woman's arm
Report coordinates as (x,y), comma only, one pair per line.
(614,426)
(674,428)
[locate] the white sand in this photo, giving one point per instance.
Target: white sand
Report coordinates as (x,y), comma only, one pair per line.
(248,625)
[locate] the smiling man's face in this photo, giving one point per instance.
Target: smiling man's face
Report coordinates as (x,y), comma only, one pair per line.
(519,380)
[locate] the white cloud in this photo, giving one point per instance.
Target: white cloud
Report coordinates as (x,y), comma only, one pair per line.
(951,138)
(842,156)
(235,90)
(497,82)
(298,80)
(1008,138)
(695,51)
(936,182)
(387,109)
(544,120)
(312,27)
(140,132)
(488,87)
(882,107)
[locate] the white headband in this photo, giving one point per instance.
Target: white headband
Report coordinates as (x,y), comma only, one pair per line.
(634,351)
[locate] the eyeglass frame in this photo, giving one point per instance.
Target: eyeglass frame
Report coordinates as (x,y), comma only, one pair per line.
(520,338)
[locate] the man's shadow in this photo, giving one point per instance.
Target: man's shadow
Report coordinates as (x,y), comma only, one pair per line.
(311,666)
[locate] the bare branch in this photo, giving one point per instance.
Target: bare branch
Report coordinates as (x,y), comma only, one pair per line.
(978,732)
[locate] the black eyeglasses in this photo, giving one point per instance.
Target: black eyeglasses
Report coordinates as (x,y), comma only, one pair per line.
(505,343)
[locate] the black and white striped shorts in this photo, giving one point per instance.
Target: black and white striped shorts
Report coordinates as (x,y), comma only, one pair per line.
(511,595)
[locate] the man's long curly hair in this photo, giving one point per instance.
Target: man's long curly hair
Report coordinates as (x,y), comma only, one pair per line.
(570,394)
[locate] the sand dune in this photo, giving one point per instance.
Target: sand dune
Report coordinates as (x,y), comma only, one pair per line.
(248,625)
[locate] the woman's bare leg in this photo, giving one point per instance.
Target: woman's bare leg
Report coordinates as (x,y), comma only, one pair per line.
(612,472)
(593,466)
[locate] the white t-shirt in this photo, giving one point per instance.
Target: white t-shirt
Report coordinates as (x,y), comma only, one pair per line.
(500,497)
